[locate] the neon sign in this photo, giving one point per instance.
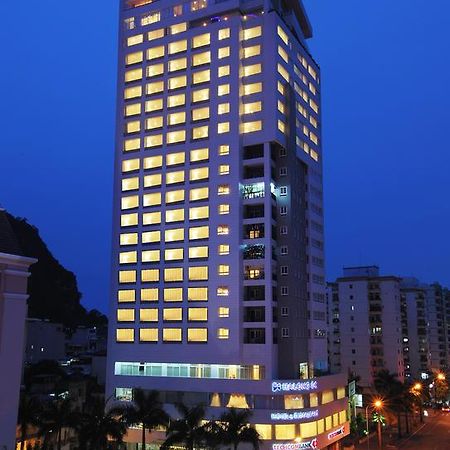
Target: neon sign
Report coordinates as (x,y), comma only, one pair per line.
(336,433)
(296,445)
(296,415)
(296,386)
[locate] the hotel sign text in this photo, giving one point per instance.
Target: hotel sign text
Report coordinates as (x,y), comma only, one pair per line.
(295,386)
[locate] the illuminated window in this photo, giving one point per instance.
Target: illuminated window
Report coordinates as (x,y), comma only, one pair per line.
(199,194)
(175,215)
(176,136)
(197,335)
(133,75)
(177,64)
(199,213)
(133,109)
(150,275)
(172,314)
(223,52)
(132,144)
(148,315)
(135,40)
(197,314)
(223,291)
(254,50)
(251,108)
(178,28)
(174,235)
(201,40)
(126,296)
(176,100)
(224,312)
(153,122)
(285,432)
(201,77)
(254,69)
(281,126)
(151,236)
(174,254)
(154,105)
(153,162)
(148,335)
(129,184)
(155,52)
(223,127)
(175,196)
(283,72)
(282,52)
(172,334)
(155,34)
(130,165)
(223,189)
(178,82)
(200,113)
(223,89)
(149,256)
(264,431)
(224,33)
(198,294)
(283,35)
(196,233)
(252,88)
(127,257)
(177,10)
(148,19)
(224,249)
(149,295)
(175,177)
(127,276)
(128,220)
(224,150)
(281,107)
(308,429)
(177,47)
(128,239)
(153,199)
(223,230)
(154,88)
(125,315)
(155,70)
(251,33)
(223,71)
(223,269)
(133,127)
(201,58)
(251,127)
(173,159)
(223,333)
(198,273)
(201,154)
(173,274)
(200,132)
(125,335)
(152,180)
(198,252)
(223,108)
(224,209)
(200,95)
(132,92)
(152,218)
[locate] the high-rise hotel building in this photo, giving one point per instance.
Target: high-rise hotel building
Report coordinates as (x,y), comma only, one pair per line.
(218,288)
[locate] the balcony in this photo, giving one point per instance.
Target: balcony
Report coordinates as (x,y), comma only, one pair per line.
(254,293)
(254,231)
(253,172)
(254,251)
(251,191)
(254,151)
(253,211)
(255,336)
(255,314)
(254,273)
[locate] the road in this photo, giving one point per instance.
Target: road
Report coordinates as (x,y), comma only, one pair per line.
(434,435)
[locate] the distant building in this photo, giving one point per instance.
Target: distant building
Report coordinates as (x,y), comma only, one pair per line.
(365,334)
(14,273)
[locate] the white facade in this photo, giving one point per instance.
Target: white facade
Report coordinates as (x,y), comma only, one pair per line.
(218,265)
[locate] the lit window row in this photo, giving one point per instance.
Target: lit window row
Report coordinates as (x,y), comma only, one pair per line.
(173,274)
(150,256)
(194,294)
(168,315)
(168,335)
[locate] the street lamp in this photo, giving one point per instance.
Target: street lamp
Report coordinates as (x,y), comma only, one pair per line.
(440,377)
(376,406)
(417,391)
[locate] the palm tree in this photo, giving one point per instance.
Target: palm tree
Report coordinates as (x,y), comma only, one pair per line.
(189,430)
(98,426)
(58,415)
(234,429)
(30,412)
(145,410)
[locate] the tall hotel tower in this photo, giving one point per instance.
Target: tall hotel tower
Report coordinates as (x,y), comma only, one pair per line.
(218,290)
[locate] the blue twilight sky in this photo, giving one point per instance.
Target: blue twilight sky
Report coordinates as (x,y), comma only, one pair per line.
(386,94)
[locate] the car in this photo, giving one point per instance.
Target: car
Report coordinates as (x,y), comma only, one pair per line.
(446,409)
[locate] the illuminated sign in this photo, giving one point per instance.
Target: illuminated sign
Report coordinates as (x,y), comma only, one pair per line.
(296,415)
(295,386)
(296,445)
(336,433)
